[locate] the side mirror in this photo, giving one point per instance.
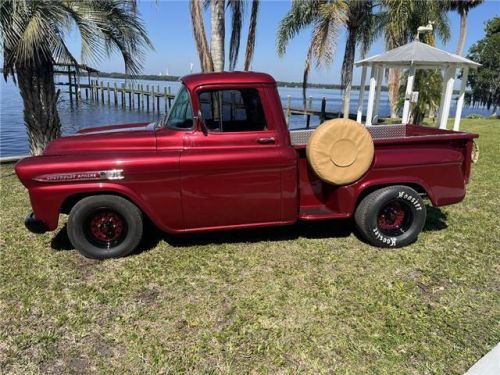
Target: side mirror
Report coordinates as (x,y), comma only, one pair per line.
(200,119)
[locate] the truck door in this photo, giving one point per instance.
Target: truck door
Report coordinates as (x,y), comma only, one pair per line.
(231,171)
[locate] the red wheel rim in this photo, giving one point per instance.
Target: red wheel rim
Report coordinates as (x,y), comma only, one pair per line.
(105,228)
(394,218)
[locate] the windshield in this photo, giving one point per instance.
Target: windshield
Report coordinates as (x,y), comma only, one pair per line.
(181,113)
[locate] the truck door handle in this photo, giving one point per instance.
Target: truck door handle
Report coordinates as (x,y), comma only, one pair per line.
(266,140)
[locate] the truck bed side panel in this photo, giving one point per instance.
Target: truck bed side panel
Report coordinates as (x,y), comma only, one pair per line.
(438,168)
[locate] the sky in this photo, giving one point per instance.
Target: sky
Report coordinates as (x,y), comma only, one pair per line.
(168,24)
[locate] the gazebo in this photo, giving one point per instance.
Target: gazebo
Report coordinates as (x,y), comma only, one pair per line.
(414,55)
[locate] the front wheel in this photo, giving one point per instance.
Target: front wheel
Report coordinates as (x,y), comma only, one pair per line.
(105,226)
(391,217)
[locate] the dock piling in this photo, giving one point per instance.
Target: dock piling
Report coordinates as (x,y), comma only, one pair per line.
(288,111)
(165,98)
(158,100)
(308,122)
(142,96)
(123,95)
(129,97)
(153,97)
(132,94)
(322,116)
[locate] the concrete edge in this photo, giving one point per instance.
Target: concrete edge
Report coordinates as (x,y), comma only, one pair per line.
(12,159)
(487,365)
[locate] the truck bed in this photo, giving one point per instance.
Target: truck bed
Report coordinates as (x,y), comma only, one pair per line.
(382,134)
(435,162)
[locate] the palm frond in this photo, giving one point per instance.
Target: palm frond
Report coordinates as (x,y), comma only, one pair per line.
(301,14)
(35,30)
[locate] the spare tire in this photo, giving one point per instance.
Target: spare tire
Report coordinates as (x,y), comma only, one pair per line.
(340,151)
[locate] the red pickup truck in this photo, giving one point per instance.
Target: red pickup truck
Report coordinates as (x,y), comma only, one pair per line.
(223,158)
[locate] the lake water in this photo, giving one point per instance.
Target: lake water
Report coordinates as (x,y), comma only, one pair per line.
(14,140)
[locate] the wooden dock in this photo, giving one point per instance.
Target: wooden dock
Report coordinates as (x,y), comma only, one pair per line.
(138,96)
(127,96)
(309,111)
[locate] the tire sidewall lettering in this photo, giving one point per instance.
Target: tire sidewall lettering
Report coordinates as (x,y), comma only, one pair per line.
(390,241)
(410,199)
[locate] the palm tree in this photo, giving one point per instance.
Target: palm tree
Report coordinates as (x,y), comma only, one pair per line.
(252,30)
(206,63)
(218,34)
(213,59)
(399,20)
(236,25)
(326,18)
(428,83)
(463,7)
(360,24)
(32,35)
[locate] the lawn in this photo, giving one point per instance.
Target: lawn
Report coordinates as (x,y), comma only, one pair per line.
(311,298)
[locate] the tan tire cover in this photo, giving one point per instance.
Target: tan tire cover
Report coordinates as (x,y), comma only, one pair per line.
(340,151)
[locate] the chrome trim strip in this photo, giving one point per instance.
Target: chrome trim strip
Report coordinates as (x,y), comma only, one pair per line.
(110,174)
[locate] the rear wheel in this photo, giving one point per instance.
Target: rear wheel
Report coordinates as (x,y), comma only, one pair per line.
(391,217)
(105,226)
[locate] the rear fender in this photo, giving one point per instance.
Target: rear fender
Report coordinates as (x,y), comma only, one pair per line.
(415,183)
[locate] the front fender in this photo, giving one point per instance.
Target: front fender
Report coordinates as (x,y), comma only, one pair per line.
(47,201)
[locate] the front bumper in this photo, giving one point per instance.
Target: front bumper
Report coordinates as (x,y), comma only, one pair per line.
(34,225)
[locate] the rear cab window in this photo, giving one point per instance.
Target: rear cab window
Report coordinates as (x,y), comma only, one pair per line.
(232,110)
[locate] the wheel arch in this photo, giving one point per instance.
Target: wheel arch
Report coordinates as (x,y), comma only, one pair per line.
(70,201)
(419,187)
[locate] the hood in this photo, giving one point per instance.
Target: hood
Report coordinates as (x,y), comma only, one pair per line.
(111,138)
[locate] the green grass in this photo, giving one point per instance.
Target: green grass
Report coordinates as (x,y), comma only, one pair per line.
(305,299)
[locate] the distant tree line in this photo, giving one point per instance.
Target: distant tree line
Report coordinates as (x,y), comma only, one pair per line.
(171,78)
(485,81)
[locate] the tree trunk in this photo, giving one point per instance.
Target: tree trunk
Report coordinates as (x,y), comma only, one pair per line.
(463,32)
(347,67)
(394,81)
(218,34)
(200,37)
(252,27)
(36,84)
(307,67)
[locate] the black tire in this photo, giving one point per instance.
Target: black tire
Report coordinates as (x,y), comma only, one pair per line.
(391,217)
(105,226)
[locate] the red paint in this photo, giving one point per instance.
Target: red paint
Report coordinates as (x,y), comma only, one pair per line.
(185,181)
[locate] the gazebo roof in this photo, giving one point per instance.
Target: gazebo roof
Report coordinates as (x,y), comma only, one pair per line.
(416,53)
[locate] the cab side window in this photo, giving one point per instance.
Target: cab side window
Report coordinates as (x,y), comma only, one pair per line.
(235,110)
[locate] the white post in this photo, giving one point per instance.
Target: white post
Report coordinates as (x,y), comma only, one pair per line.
(445,73)
(443,118)
(361,94)
(409,89)
(371,96)
(380,78)
(460,104)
